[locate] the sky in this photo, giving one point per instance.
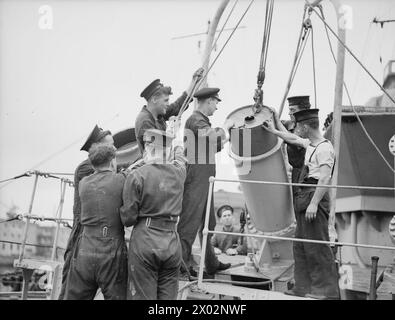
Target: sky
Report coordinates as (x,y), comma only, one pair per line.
(88,61)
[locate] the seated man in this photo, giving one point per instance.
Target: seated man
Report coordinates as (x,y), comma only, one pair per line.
(229,244)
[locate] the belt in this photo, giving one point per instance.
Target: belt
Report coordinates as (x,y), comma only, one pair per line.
(161,223)
(103,232)
(300,189)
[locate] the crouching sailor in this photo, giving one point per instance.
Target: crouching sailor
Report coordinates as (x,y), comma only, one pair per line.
(152,198)
(100,256)
(315,270)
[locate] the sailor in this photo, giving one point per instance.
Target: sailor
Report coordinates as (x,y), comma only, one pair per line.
(158,110)
(226,243)
(202,142)
(315,269)
(152,198)
(295,153)
(100,255)
(97,136)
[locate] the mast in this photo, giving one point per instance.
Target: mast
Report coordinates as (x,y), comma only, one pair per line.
(343,23)
(210,38)
(342,13)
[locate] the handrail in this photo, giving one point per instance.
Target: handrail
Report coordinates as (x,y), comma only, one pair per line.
(206,231)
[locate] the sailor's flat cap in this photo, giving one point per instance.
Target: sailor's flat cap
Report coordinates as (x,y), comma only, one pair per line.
(207,93)
(301,101)
(95,136)
(222,209)
(306,114)
(153,88)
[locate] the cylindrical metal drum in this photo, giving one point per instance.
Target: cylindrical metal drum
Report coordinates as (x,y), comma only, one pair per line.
(258,156)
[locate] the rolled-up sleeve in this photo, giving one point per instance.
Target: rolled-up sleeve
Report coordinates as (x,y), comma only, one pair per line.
(325,155)
(131,200)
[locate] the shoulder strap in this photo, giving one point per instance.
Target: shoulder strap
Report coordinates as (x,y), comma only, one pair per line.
(311,156)
(334,163)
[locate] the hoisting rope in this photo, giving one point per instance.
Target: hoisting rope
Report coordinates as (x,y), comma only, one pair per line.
(258,95)
(303,36)
(322,17)
(199,83)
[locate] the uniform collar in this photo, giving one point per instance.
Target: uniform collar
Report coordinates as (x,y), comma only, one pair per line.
(145,109)
(103,170)
(203,115)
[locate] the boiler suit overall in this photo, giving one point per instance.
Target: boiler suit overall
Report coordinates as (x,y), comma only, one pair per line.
(152,204)
(315,270)
(100,256)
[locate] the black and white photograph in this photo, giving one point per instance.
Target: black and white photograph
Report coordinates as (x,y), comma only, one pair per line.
(197,154)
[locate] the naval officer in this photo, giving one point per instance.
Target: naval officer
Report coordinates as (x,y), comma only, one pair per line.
(201,144)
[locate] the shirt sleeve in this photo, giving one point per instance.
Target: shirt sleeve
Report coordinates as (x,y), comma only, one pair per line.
(325,155)
(131,200)
(174,108)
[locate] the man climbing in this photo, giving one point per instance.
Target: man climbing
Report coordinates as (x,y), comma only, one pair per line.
(100,256)
(158,110)
(97,136)
(152,198)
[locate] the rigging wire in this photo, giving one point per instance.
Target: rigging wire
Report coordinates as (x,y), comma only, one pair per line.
(51,156)
(198,84)
(353,55)
(313,56)
(357,76)
(295,64)
(194,88)
(9,220)
(350,101)
(16,177)
(30,244)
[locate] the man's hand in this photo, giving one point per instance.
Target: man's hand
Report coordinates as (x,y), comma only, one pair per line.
(198,75)
(311,212)
(217,251)
(231,252)
(229,123)
(269,125)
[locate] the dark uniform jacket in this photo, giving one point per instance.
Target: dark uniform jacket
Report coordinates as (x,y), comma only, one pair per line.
(205,142)
(145,120)
(154,190)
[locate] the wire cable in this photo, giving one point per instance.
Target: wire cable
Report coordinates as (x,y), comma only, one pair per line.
(350,101)
(353,55)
